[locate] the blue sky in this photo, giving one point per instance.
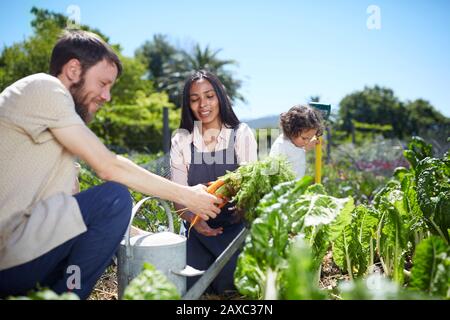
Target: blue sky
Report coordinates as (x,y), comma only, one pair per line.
(287,50)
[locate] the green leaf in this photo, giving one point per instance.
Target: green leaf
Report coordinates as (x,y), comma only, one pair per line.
(249,275)
(365,227)
(351,251)
(431,267)
(418,150)
(433,194)
(151,284)
(46,294)
(267,245)
(394,235)
(253,181)
(376,287)
(300,280)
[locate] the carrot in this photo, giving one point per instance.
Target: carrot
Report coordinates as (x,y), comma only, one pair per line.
(192,224)
(212,188)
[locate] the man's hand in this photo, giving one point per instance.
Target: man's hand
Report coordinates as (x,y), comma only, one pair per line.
(203,228)
(197,200)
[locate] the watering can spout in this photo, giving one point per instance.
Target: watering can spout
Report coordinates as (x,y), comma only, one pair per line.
(189,271)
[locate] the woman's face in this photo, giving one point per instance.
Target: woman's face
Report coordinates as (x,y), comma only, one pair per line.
(204,102)
(304,137)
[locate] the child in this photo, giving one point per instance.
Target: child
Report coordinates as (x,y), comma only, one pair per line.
(301,127)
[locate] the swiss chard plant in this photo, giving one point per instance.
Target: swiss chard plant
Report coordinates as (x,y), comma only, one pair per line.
(293,209)
(46,294)
(299,279)
(354,249)
(433,193)
(151,284)
(431,269)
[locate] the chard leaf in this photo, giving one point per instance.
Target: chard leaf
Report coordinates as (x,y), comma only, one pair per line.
(376,287)
(433,194)
(46,294)
(318,209)
(322,218)
(410,202)
(394,236)
(431,267)
(151,284)
(249,275)
(418,150)
(300,278)
(365,223)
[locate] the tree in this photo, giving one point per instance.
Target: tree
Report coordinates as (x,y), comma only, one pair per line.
(138,126)
(379,106)
(131,85)
(422,116)
(155,54)
(169,67)
(133,118)
(425,121)
(33,54)
(375,105)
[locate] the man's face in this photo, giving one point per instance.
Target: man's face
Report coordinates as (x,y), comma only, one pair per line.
(93,89)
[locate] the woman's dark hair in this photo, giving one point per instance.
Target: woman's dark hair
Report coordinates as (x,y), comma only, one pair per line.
(227,115)
(86,47)
(300,118)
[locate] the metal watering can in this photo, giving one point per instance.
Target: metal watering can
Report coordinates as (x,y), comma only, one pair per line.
(165,250)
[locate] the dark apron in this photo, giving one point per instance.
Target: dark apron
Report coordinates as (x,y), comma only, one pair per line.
(202,251)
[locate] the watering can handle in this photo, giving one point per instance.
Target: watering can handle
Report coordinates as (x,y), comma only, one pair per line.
(137,207)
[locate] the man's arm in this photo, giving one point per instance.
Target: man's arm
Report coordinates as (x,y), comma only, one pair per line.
(82,142)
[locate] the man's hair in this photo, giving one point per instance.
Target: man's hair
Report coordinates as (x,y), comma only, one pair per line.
(86,47)
(299,119)
(227,115)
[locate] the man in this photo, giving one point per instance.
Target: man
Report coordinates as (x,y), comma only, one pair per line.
(48,236)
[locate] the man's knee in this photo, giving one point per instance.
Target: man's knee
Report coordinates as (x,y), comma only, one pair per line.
(120,194)
(121,202)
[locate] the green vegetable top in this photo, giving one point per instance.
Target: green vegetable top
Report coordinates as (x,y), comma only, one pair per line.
(151,284)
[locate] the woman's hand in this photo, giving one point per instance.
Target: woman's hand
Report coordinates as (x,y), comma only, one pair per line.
(203,228)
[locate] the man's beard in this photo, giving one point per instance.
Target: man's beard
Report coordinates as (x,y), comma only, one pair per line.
(80,99)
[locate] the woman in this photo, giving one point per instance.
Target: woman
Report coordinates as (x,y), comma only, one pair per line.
(210,141)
